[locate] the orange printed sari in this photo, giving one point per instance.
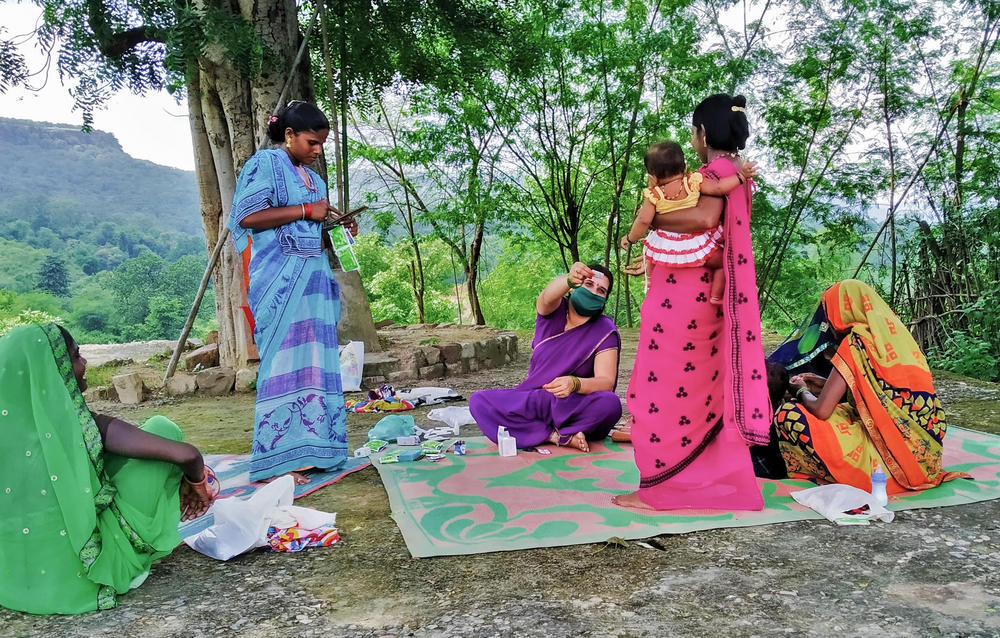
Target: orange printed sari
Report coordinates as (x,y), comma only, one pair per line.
(893,417)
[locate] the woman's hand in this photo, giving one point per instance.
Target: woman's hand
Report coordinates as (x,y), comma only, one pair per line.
(812,382)
(196,498)
(319,210)
(748,169)
(625,243)
(351,224)
(561,387)
(578,273)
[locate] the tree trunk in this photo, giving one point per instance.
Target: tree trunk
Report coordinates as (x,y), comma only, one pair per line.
(472,274)
(418,294)
(356,323)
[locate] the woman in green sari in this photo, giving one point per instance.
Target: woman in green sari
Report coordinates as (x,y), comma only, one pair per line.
(87,502)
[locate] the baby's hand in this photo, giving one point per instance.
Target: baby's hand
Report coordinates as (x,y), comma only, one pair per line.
(636,268)
(748,169)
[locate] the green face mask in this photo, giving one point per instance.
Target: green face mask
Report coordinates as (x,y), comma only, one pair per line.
(586,303)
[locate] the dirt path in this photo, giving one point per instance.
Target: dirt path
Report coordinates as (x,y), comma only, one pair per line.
(931,572)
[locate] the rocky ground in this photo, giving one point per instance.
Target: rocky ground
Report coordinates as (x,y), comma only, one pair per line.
(931,572)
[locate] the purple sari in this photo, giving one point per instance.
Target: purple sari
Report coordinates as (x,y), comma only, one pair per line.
(531,413)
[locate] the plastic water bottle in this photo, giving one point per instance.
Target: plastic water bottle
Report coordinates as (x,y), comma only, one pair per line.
(878,486)
(506,444)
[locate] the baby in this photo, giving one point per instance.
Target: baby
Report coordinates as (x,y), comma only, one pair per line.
(672,188)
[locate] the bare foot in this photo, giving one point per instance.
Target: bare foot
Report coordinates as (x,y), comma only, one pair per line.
(578,440)
(300,479)
(621,435)
(630,500)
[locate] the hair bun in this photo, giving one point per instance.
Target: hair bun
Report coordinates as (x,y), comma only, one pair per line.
(739,100)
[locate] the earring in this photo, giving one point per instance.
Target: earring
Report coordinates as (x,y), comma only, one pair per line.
(288,143)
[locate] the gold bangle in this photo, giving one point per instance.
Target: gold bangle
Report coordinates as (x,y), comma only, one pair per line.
(798,393)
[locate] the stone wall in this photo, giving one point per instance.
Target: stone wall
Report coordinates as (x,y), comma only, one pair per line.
(439,360)
(400,365)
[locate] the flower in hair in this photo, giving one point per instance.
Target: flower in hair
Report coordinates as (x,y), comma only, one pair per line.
(738,108)
(273,118)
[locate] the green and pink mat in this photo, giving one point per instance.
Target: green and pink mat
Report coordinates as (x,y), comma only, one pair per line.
(482,502)
(485,503)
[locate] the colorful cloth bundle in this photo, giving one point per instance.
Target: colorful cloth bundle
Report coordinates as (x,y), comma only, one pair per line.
(294,539)
(383,399)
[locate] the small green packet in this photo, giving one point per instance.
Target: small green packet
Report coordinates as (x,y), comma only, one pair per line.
(433,446)
(377,445)
(343,245)
(389,457)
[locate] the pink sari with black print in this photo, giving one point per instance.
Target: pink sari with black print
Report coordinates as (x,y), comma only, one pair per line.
(698,394)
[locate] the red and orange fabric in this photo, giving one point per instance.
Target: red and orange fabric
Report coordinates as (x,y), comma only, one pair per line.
(893,417)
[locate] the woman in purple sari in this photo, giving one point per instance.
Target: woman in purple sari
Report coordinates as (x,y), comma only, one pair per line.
(569,396)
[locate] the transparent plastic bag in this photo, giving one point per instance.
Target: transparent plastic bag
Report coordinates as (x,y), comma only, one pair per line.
(834,501)
(352,364)
(241,525)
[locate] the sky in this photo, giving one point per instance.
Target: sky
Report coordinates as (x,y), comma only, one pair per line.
(153,127)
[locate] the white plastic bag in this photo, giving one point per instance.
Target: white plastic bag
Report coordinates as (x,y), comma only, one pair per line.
(455,416)
(352,365)
(833,501)
(241,525)
(304,517)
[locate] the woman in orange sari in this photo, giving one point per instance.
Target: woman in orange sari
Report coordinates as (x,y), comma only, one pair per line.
(891,417)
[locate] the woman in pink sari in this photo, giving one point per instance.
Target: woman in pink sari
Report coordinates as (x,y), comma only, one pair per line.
(698,393)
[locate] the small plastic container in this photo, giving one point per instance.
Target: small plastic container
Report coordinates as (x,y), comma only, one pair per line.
(506,444)
(878,486)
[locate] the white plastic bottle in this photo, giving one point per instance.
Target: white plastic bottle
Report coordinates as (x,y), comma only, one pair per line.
(878,486)
(506,444)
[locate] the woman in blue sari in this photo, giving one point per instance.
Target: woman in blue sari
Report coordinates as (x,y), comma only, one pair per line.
(277,216)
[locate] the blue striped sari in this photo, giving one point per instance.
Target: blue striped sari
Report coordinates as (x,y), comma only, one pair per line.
(299,420)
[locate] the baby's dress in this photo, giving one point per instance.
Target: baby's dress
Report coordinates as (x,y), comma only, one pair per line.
(679,249)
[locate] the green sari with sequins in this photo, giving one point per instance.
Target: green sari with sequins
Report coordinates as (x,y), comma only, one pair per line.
(78,526)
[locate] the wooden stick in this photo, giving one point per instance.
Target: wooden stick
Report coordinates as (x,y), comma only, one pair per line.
(175,357)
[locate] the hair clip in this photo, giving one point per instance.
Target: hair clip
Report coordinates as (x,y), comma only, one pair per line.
(738,108)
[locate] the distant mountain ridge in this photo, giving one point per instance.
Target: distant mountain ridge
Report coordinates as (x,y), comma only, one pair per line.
(80,197)
(58,174)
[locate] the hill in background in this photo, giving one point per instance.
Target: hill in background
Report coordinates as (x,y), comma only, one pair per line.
(110,245)
(80,195)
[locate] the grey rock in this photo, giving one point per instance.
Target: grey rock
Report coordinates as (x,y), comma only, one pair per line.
(97,393)
(129,388)
(180,384)
(435,371)
(246,379)
(400,376)
(431,354)
(412,360)
(450,352)
(468,349)
(216,381)
(379,364)
(206,356)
